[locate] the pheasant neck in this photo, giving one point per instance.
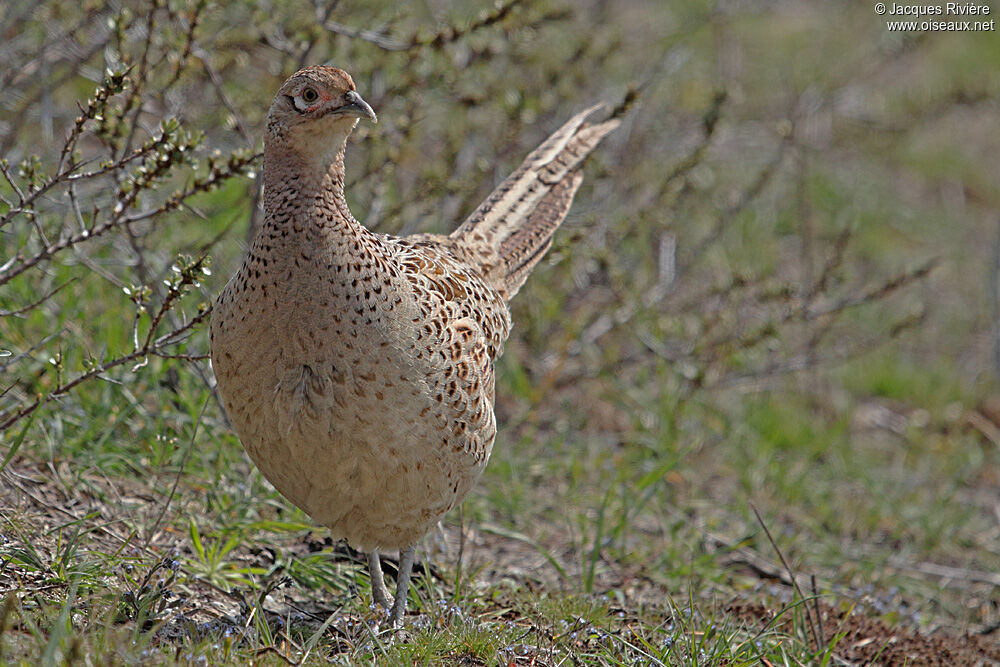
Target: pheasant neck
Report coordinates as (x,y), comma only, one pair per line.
(303,180)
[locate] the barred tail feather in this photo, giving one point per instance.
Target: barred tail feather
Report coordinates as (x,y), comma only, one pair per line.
(526,246)
(512,229)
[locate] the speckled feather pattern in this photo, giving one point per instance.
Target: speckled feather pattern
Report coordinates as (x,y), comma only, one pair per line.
(358,368)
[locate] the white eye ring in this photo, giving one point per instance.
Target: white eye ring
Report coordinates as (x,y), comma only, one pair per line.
(300,101)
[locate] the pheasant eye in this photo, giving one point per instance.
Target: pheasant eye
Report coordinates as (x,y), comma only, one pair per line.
(309,95)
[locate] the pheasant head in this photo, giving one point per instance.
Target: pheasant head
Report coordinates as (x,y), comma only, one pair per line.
(316,106)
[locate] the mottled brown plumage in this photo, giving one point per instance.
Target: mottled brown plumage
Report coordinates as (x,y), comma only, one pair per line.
(357,368)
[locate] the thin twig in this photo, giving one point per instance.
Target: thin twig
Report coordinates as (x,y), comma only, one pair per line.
(791,574)
(177,478)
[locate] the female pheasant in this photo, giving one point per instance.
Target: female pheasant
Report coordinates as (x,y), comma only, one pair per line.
(357,368)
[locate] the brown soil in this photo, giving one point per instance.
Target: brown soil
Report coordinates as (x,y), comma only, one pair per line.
(869,641)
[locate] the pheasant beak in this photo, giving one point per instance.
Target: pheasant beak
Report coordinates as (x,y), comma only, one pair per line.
(355,108)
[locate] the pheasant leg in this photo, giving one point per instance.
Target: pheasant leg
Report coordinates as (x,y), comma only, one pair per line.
(402,586)
(379,592)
